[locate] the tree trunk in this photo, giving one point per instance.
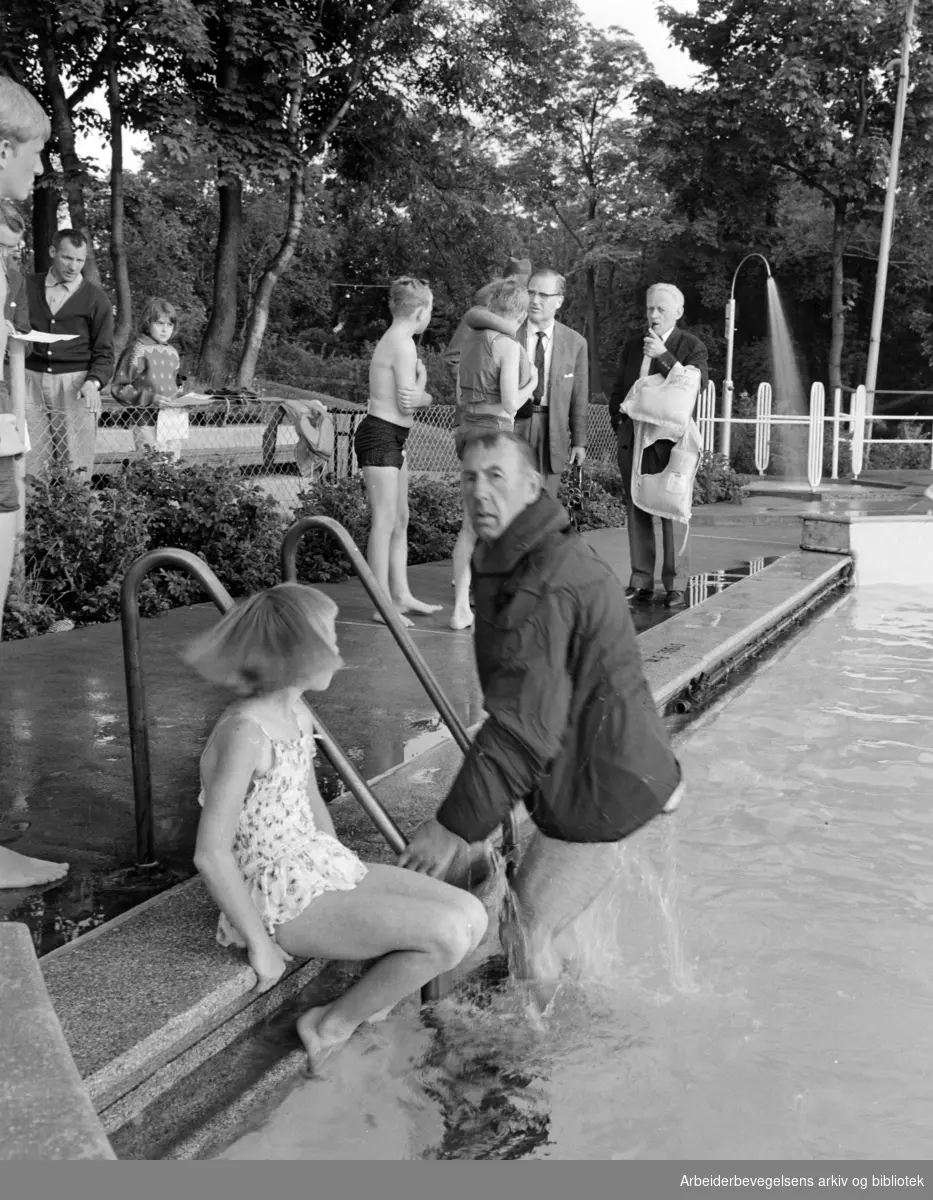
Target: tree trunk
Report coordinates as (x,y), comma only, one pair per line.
(63,128)
(218,336)
(45,201)
(592,332)
(259,310)
(259,313)
(221,326)
(118,264)
(837,306)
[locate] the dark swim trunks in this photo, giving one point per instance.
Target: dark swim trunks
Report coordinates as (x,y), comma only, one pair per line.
(380,443)
(9,493)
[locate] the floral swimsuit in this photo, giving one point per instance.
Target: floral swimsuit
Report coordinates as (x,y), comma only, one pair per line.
(285,859)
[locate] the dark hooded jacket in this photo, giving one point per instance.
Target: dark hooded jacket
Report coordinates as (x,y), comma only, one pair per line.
(572,729)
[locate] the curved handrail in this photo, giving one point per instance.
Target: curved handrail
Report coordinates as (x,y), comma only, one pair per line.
(426,677)
(136,703)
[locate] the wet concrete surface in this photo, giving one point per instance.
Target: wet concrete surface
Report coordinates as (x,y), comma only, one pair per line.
(65,771)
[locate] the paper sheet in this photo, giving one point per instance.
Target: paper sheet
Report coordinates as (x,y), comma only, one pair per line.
(35,336)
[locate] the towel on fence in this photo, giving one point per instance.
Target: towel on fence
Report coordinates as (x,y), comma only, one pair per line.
(314,425)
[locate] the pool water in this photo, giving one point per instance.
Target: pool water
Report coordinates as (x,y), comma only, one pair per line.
(761,980)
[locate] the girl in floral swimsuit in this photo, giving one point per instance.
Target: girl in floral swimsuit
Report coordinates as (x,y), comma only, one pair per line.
(266,846)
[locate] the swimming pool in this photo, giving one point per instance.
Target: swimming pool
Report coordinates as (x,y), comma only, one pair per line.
(765,974)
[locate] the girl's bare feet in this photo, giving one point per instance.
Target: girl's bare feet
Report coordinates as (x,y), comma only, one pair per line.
(410,604)
(19,871)
(319,1037)
(378,617)
(461,620)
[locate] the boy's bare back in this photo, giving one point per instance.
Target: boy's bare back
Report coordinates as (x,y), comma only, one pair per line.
(394,366)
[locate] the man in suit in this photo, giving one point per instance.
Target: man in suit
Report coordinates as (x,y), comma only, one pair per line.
(554,419)
(653,354)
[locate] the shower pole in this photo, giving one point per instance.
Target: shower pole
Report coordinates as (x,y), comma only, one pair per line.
(725,442)
(887,224)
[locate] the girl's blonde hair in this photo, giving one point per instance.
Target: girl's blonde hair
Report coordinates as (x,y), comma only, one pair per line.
(275,640)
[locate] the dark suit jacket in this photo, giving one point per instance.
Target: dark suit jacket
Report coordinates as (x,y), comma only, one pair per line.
(568,392)
(682,347)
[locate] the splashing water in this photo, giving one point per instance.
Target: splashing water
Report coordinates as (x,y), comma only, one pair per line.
(788,390)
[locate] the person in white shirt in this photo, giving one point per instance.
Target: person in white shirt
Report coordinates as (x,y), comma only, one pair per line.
(553,421)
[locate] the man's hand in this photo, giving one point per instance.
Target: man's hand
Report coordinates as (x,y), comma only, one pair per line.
(577,456)
(89,392)
(654,346)
(432,850)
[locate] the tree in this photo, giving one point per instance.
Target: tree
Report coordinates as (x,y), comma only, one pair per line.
(578,152)
(795,91)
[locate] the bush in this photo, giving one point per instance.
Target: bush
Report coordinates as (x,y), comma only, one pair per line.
(211,510)
(717,481)
(79,543)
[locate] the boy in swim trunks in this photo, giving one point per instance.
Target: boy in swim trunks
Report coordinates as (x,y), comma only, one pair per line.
(396,389)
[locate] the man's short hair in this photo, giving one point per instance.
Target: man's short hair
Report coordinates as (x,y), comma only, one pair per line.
(22,117)
(560,283)
(674,292)
(407,295)
(489,441)
(506,297)
(11,217)
(75,236)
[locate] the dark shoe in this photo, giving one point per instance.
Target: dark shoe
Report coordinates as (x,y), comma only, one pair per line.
(673,599)
(639,595)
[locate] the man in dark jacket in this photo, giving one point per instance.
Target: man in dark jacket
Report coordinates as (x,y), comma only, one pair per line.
(654,353)
(572,730)
(64,378)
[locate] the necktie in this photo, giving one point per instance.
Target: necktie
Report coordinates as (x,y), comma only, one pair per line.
(645,367)
(539,365)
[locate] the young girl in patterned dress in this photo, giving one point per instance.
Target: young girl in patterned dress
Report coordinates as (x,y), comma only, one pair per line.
(266,847)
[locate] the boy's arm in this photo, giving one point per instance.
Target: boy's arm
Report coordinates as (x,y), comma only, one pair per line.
(410,378)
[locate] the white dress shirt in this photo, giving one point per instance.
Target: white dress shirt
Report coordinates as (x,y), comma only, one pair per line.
(531,346)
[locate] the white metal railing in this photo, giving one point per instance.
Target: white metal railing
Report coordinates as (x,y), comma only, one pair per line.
(816,422)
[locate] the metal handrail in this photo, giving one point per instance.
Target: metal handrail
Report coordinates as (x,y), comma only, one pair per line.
(139,724)
(389,613)
(136,702)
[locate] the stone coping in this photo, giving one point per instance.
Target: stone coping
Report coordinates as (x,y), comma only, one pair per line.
(869,518)
(151,994)
(45,1110)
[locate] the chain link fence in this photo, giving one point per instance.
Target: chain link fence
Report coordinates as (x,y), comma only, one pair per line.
(258,437)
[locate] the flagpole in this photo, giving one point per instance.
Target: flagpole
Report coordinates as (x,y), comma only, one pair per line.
(887,224)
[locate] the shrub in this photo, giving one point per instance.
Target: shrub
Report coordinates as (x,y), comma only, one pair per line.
(211,510)
(79,543)
(716,481)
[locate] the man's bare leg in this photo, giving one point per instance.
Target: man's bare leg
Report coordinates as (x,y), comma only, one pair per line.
(382,490)
(398,557)
(555,884)
(462,617)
